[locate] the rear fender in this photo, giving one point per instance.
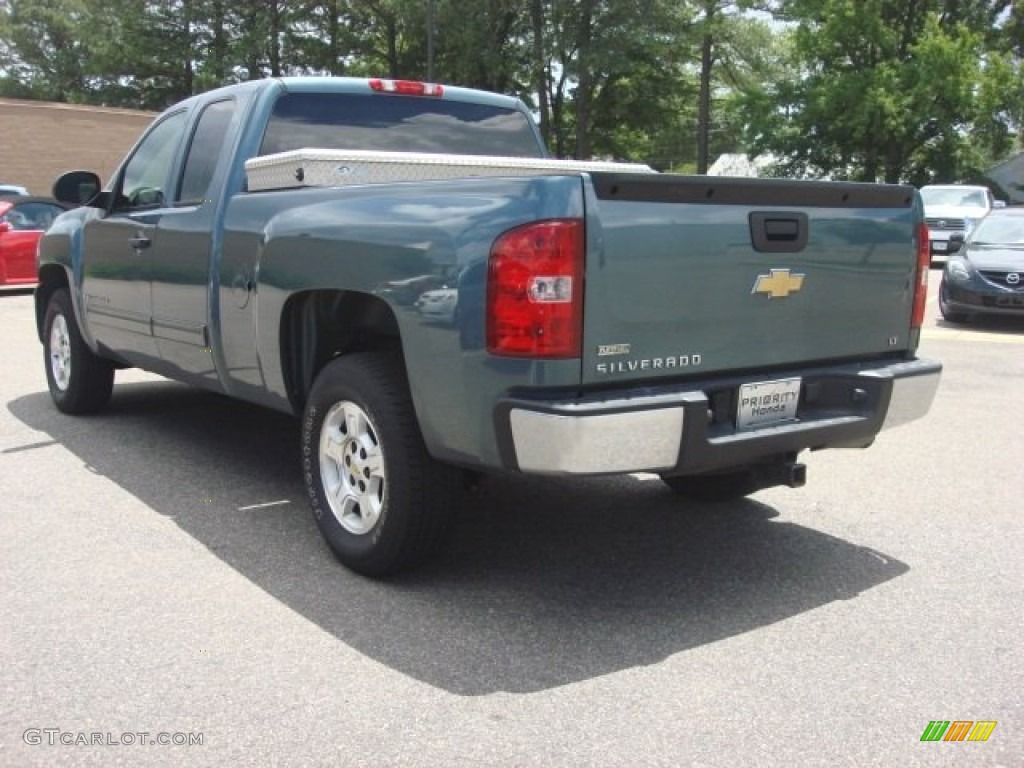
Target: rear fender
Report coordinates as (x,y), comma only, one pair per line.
(391,243)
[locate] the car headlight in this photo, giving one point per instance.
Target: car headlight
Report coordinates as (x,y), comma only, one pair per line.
(959,270)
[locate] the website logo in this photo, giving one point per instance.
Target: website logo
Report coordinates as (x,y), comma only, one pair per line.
(958,730)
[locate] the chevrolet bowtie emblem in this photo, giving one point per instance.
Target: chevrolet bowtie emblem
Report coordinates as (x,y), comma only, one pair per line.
(778,284)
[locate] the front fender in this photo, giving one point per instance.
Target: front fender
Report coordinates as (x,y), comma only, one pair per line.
(59,262)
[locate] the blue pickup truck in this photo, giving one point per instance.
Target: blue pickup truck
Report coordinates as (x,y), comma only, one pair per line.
(586,318)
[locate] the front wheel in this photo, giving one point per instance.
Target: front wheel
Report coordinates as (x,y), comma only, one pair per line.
(947,313)
(381,502)
(79,381)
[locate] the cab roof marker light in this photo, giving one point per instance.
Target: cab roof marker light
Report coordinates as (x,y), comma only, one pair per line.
(406,87)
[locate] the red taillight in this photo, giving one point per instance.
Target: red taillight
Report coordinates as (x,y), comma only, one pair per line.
(924,262)
(535,291)
(406,87)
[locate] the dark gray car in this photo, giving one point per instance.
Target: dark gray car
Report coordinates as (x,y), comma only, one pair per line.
(986,275)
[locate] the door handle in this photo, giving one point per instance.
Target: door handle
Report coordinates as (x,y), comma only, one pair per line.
(778,232)
(139,242)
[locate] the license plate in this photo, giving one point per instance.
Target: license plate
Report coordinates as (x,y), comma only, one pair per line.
(939,247)
(767,402)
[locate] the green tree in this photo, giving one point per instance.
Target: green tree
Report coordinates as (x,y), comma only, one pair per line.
(882,89)
(45,51)
(612,73)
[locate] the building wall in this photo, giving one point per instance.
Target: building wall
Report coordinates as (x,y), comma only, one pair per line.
(40,140)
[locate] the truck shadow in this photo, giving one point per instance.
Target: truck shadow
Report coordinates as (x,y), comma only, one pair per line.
(545,582)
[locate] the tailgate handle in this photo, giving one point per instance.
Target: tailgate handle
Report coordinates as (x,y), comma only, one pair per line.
(778,231)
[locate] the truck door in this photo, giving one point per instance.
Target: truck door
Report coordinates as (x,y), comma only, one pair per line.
(117,247)
(180,256)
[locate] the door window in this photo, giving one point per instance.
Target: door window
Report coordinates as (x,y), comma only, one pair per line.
(205,151)
(143,184)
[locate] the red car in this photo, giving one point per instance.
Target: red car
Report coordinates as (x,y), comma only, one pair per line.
(22,222)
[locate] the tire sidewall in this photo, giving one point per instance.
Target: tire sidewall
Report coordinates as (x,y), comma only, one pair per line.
(360,551)
(948,314)
(59,304)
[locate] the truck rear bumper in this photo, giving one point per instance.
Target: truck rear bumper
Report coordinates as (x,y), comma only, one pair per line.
(690,429)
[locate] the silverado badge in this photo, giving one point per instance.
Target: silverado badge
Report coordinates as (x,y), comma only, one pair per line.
(778,284)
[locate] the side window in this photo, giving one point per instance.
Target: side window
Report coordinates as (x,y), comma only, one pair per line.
(34,215)
(142,184)
(205,151)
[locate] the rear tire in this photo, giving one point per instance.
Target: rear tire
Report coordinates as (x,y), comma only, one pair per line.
(714,488)
(79,381)
(382,504)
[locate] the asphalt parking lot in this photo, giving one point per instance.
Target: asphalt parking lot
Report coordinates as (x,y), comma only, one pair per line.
(161,575)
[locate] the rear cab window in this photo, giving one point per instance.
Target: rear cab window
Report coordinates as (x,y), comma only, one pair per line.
(396,123)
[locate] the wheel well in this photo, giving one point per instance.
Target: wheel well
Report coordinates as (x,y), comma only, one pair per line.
(317,326)
(51,278)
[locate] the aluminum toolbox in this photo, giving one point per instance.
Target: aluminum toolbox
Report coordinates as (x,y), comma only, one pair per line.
(335,168)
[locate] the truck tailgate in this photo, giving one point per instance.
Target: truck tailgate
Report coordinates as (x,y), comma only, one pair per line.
(702,275)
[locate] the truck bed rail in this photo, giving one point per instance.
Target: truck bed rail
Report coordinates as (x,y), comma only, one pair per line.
(312,167)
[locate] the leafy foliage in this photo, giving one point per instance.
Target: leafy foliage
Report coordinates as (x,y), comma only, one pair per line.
(893,90)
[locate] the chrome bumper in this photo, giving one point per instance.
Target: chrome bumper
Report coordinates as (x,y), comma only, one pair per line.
(610,442)
(913,390)
(674,430)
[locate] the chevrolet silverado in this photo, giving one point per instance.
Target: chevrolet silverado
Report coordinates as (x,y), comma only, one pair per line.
(271,241)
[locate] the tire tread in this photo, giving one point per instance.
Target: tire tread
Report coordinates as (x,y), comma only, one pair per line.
(92,378)
(425,506)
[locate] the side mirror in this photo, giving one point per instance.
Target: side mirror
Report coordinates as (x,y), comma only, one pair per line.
(956,242)
(76,187)
(5,226)
(998,203)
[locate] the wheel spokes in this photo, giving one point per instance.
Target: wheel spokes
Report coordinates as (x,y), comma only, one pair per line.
(60,352)
(352,468)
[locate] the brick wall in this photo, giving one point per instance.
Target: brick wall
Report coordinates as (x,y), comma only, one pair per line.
(40,140)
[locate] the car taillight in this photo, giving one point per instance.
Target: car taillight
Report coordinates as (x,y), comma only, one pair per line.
(535,291)
(924,261)
(406,87)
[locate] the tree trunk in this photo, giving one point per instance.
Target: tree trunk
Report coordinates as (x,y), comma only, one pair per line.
(391,25)
(870,173)
(707,61)
(219,53)
(333,43)
(540,69)
(558,116)
(188,76)
(893,162)
(585,81)
(431,13)
(250,27)
(275,38)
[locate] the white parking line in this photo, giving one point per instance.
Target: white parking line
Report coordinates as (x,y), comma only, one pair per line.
(267,504)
